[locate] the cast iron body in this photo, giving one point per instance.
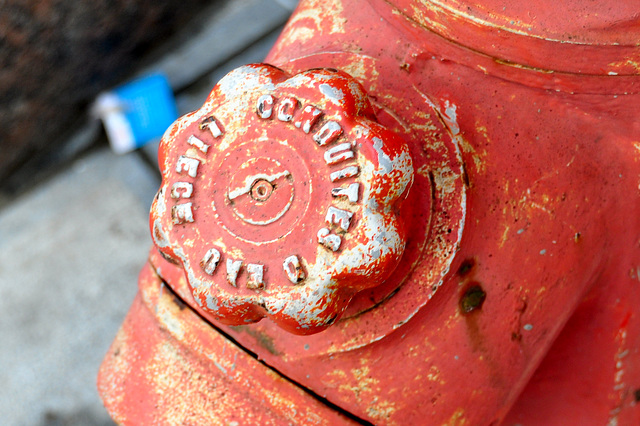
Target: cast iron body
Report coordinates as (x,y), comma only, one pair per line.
(484,269)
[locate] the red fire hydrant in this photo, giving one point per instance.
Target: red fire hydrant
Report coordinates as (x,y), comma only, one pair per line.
(421,213)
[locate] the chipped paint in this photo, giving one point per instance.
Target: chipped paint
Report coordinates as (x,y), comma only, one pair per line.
(362,255)
(196,376)
(544,224)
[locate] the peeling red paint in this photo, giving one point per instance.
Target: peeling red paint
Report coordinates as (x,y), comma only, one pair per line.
(515,299)
(281,197)
(167,366)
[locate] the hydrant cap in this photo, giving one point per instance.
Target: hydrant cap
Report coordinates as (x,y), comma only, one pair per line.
(281,197)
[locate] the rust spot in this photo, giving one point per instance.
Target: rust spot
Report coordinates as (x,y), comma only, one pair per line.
(168,258)
(577,237)
(465,176)
(322,69)
(205,123)
(262,339)
(466,266)
(179,302)
(636,394)
(332,319)
(472,299)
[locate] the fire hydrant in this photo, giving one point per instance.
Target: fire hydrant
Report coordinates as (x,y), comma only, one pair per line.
(419,213)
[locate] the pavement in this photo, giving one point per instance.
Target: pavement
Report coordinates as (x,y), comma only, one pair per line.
(71,247)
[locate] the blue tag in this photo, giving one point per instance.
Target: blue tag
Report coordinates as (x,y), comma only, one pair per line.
(137,112)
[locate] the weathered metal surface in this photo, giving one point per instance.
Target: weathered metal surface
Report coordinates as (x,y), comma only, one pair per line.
(516,299)
(167,366)
(281,197)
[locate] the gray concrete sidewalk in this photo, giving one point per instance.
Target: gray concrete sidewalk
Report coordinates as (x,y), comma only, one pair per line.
(72,247)
(69,254)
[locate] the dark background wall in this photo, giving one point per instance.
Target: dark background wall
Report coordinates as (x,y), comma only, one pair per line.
(56,55)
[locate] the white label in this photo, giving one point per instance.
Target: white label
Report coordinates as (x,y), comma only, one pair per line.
(210,261)
(119,131)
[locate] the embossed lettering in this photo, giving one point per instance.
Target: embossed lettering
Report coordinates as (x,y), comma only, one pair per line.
(286,108)
(339,217)
(264,106)
(327,133)
(351,192)
(193,141)
(210,261)
(255,276)
(347,172)
(187,164)
(181,190)
(233,267)
(308,118)
(293,269)
(329,240)
(211,124)
(181,213)
(338,153)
